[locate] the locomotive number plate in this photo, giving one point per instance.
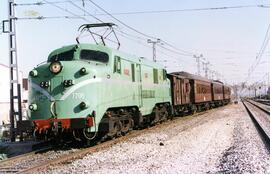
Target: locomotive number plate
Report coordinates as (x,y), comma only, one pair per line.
(78,96)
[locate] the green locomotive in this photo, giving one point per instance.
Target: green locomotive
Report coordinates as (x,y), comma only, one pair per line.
(89,90)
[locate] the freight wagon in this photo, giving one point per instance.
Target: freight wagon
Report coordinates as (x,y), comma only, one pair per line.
(217,93)
(227,94)
(192,93)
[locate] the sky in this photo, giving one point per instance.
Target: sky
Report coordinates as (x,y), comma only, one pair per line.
(229,39)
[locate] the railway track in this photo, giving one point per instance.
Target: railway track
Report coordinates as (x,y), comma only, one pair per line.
(266,102)
(37,162)
(6,167)
(260,115)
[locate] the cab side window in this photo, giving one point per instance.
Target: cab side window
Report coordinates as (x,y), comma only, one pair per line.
(133,72)
(117,65)
(155,76)
(164,74)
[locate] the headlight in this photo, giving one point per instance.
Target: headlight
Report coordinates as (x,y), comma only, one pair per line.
(55,67)
(44,84)
(33,73)
(68,83)
(33,107)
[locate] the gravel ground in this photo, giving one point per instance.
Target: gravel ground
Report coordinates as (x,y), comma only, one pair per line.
(224,141)
(248,153)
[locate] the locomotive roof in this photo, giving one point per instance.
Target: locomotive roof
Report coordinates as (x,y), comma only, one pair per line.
(136,59)
(183,74)
(110,51)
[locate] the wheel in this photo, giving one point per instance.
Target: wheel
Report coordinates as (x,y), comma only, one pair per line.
(116,131)
(193,109)
(119,129)
(76,135)
(165,113)
(126,126)
(89,135)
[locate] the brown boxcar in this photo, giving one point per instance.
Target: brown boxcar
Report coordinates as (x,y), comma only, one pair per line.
(200,88)
(217,91)
(180,89)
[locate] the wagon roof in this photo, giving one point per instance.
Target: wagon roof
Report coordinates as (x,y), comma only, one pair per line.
(190,76)
(176,75)
(217,82)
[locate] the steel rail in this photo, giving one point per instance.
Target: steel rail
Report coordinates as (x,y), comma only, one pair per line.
(6,166)
(265,102)
(19,157)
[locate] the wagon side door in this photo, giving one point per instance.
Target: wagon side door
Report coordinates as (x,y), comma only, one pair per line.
(186,91)
(176,90)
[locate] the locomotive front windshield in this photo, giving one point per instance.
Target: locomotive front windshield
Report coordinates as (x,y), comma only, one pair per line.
(94,56)
(64,56)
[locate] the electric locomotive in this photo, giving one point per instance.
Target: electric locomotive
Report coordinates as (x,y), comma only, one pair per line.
(89,90)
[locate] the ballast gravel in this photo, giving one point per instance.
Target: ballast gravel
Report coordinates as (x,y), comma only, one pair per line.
(223,141)
(36,159)
(248,153)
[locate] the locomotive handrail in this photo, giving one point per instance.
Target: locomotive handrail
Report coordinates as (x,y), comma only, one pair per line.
(52,109)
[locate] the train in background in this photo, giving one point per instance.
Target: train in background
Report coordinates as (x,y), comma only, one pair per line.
(91,91)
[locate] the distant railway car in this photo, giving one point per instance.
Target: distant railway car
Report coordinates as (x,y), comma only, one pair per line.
(202,90)
(227,94)
(217,93)
(201,94)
